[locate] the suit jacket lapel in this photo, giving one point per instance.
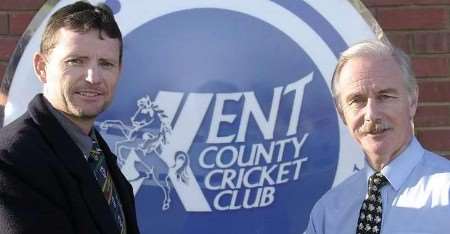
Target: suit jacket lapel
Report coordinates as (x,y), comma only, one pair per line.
(72,158)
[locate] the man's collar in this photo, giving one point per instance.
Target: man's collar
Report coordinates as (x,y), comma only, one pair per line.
(83,141)
(398,170)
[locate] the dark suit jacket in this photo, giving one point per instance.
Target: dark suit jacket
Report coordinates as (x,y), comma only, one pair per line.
(46,185)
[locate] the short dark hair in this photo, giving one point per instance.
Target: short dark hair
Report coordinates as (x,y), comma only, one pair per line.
(81,17)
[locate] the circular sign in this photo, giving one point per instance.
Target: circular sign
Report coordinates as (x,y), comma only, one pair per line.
(223,120)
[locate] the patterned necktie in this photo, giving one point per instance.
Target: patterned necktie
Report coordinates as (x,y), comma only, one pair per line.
(372,208)
(96,161)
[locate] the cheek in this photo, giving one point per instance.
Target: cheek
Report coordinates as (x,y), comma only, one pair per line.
(66,86)
(112,82)
(348,117)
(402,114)
(53,85)
(354,130)
(353,123)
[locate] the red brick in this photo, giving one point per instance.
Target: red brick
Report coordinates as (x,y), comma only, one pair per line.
(435,140)
(433,91)
(432,116)
(371,3)
(430,66)
(382,3)
(7,46)
(18,21)
(431,2)
(373,11)
(402,41)
(4,23)
(2,71)
(21,4)
(407,18)
(432,42)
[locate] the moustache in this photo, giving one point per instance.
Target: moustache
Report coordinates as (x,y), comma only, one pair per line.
(371,127)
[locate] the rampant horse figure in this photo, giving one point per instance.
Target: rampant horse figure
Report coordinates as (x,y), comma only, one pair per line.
(179,168)
(145,137)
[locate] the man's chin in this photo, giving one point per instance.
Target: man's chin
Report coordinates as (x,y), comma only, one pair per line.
(87,113)
(376,147)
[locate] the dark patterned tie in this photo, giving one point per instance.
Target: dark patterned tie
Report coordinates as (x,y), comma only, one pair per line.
(96,161)
(370,215)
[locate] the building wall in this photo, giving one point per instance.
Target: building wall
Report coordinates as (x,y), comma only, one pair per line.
(420,27)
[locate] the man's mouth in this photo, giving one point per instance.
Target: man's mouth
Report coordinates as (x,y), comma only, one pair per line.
(374,128)
(377,131)
(89,93)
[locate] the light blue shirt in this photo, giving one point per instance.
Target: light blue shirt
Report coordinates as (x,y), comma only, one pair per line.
(416,200)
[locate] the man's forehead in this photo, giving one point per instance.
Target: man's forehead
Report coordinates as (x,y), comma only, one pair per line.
(371,70)
(376,74)
(370,63)
(65,33)
(90,41)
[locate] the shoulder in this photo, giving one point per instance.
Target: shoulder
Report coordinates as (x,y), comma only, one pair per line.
(349,188)
(436,161)
(27,160)
(21,141)
(434,169)
(17,132)
(430,175)
(345,198)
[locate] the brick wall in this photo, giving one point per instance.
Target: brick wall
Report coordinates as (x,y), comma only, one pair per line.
(15,15)
(420,27)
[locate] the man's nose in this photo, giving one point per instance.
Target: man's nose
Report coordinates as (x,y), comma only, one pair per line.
(372,111)
(93,75)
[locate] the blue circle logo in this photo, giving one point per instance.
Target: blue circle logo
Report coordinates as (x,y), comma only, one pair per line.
(223,120)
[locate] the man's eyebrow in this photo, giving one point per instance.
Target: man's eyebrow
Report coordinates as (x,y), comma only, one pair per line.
(75,56)
(388,90)
(109,60)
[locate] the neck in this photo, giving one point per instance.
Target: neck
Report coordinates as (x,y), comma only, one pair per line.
(379,161)
(84,124)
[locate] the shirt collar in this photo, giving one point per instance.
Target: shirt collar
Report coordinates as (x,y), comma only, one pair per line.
(83,141)
(399,169)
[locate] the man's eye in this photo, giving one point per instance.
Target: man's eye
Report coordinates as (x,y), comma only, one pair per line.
(107,64)
(385,97)
(74,61)
(356,102)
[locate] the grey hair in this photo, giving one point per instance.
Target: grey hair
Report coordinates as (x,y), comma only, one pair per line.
(374,48)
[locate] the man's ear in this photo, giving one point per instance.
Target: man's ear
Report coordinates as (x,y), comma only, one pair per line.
(414,100)
(39,65)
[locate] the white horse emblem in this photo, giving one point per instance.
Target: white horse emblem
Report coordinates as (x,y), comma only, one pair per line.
(139,153)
